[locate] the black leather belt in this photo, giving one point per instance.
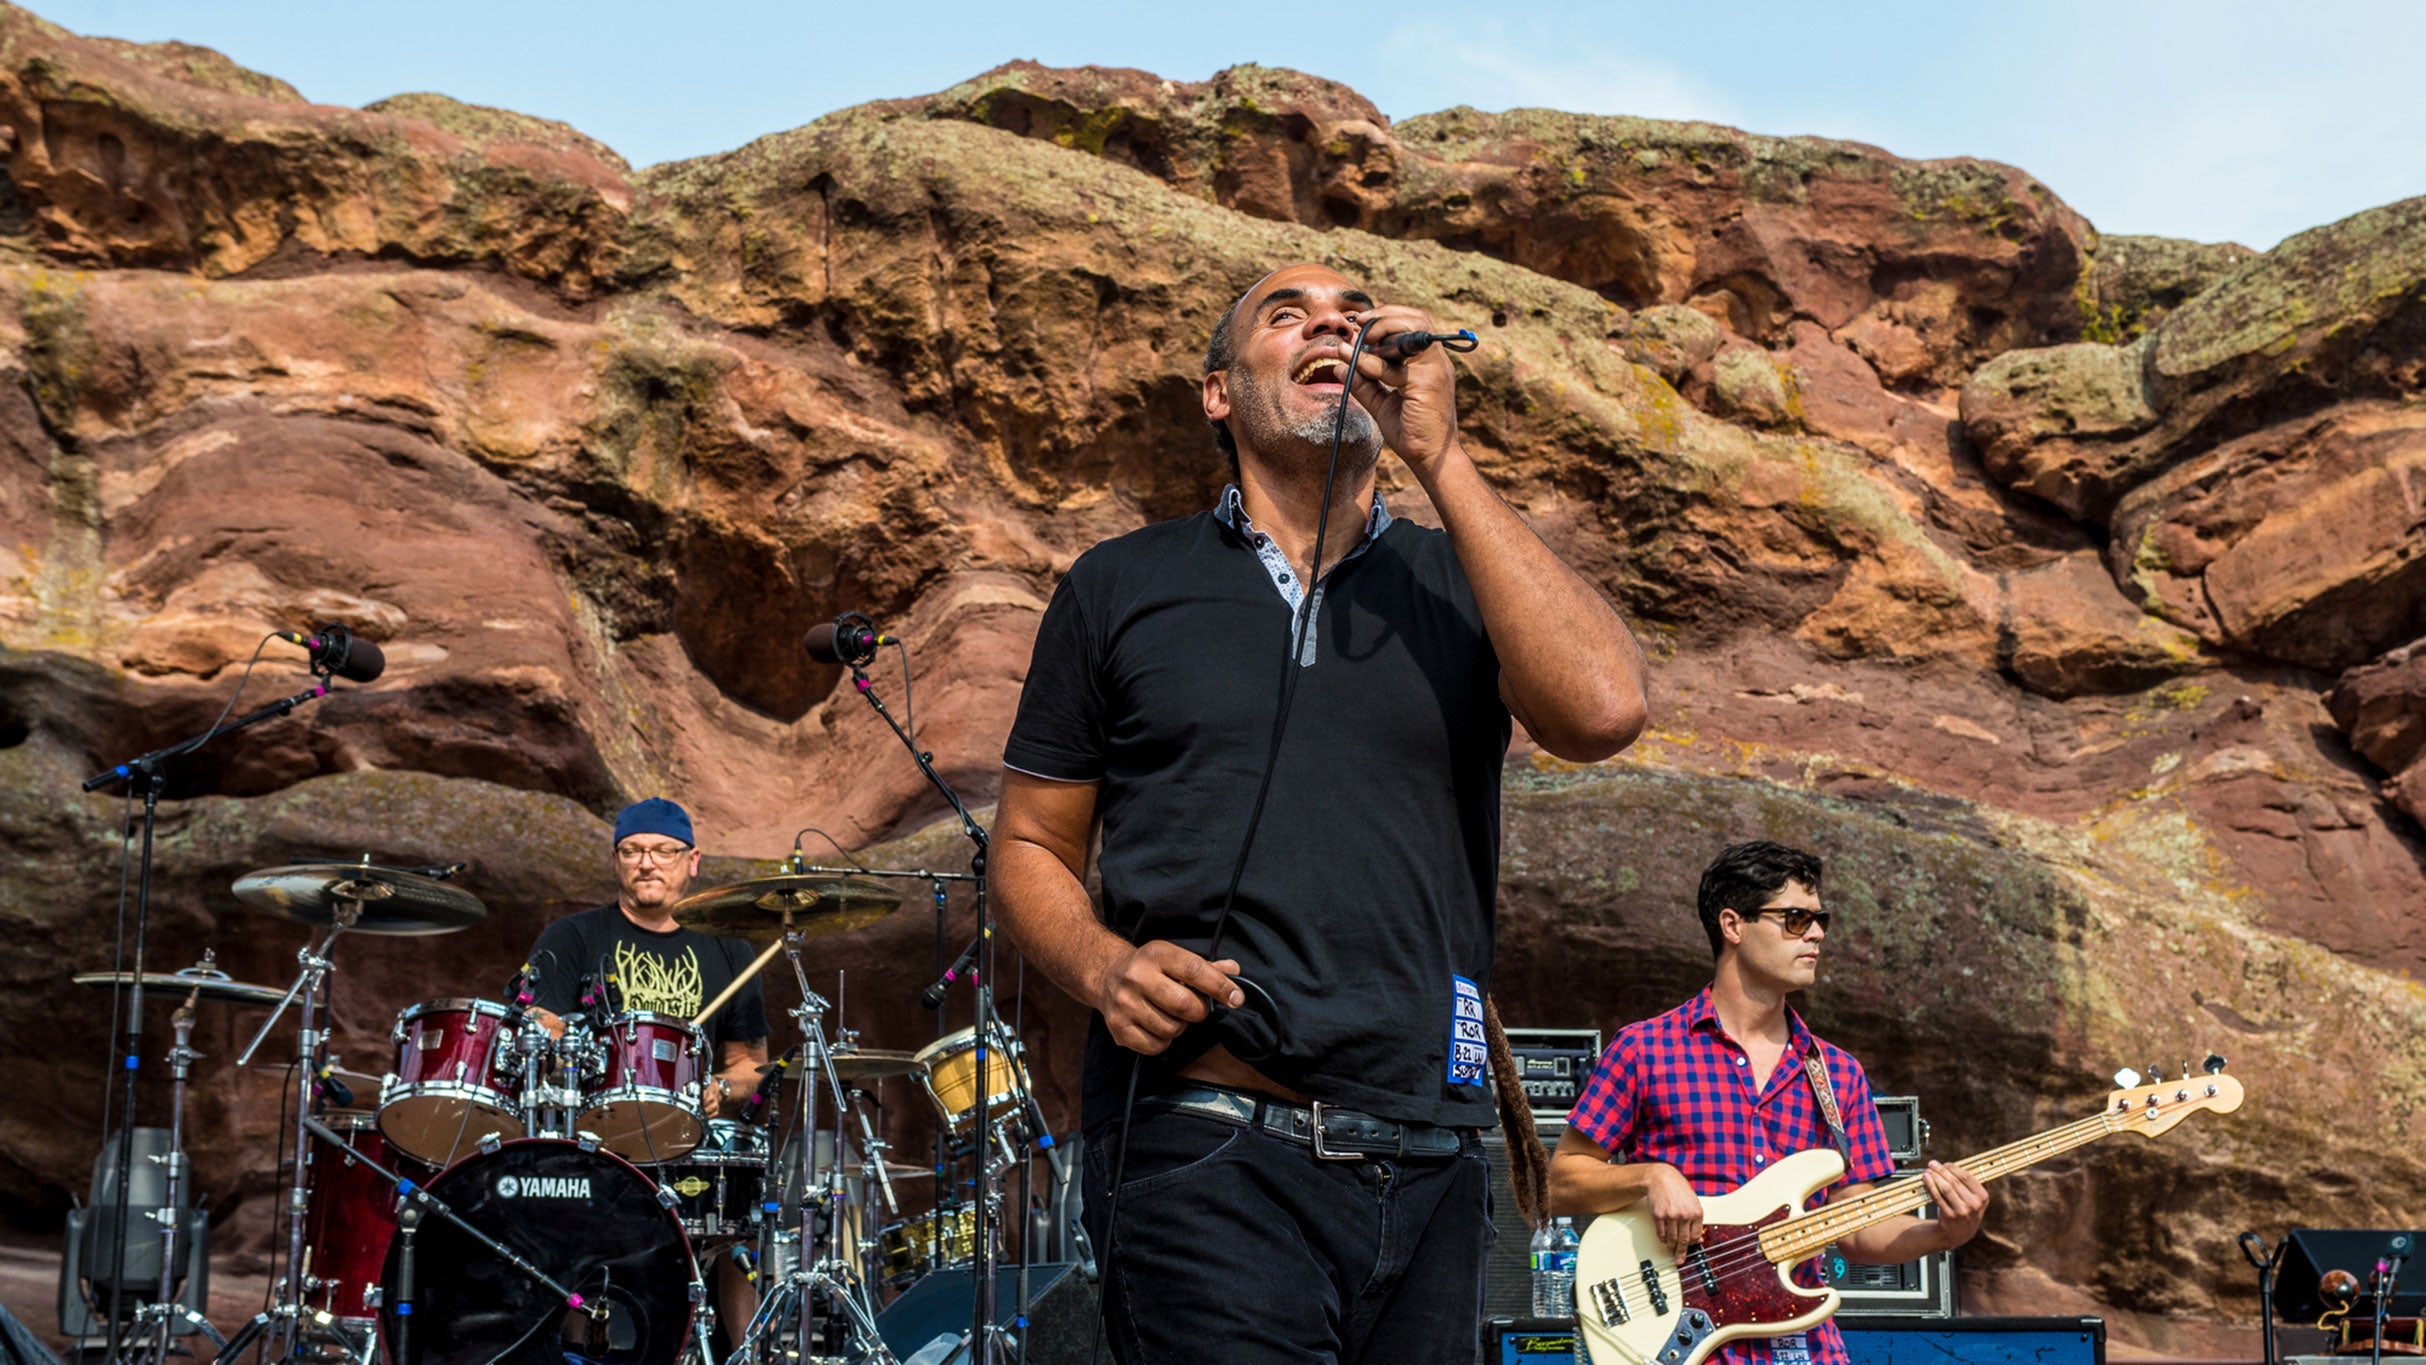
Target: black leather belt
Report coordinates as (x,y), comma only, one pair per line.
(1334,1134)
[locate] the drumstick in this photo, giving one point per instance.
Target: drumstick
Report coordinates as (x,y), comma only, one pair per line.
(737,983)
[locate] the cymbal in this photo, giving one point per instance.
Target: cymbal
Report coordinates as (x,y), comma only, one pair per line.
(393,901)
(814,903)
(865,1064)
(215,986)
(364,1086)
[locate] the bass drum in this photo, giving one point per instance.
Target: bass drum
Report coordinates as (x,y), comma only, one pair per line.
(590,1221)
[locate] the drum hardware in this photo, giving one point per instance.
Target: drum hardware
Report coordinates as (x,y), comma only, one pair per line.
(146,776)
(793,1298)
(345,898)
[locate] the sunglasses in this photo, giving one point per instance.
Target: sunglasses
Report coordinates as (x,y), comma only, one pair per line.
(1798,921)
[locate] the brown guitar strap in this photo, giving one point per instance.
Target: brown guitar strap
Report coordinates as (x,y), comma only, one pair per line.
(1817,1070)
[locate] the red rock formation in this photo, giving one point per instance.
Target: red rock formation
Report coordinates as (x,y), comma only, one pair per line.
(586,449)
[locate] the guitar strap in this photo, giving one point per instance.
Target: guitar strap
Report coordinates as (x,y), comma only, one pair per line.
(1817,1070)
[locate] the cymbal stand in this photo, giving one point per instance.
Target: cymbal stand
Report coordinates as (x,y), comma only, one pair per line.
(797,1295)
(987,1345)
(872,1174)
(315,966)
(181,1058)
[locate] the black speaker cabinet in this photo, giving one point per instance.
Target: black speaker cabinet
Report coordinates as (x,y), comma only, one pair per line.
(1508,1271)
(1061,1311)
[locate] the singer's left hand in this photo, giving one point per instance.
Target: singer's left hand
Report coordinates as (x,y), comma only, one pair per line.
(1414,401)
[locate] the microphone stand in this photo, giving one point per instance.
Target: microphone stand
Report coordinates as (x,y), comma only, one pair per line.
(147,775)
(984,1345)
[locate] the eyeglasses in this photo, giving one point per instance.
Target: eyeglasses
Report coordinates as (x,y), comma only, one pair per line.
(659,854)
(1798,921)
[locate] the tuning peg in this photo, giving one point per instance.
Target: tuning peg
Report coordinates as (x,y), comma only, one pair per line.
(2126,1078)
(2155,1073)
(2215,1064)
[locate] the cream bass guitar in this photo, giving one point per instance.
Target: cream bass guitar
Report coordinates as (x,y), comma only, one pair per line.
(1638,1303)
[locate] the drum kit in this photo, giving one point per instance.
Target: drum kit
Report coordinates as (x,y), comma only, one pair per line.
(515,1192)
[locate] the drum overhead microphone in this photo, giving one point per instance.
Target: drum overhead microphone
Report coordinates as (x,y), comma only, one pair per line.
(850,638)
(336,650)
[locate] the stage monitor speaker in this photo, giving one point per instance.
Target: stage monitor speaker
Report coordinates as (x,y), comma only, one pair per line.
(1508,1271)
(1871,1340)
(2314,1251)
(1061,1311)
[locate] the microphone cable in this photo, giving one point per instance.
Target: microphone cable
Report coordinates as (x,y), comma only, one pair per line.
(1290,668)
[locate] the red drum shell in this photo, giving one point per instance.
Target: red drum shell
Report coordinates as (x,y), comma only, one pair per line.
(644,1103)
(451,1087)
(349,1217)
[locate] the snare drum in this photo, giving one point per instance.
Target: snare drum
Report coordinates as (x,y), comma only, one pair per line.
(454,1082)
(721,1183)
(910,1248)
(349,1216)
(950,1077)
(644,1103)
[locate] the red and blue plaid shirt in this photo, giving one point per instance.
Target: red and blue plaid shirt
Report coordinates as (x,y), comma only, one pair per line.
(1677,1089)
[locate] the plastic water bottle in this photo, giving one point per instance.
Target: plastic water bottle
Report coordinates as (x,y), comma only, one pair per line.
(1543,1249)
(1554,1269)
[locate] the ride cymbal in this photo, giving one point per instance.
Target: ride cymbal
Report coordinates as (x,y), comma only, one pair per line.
(392,900)
(762,909)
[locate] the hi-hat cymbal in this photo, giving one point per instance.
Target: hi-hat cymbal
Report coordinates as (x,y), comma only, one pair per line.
(206,985)
(864,1063)
(392,901)
(808,903)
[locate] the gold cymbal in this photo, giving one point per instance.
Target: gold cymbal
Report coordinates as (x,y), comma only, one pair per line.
(391,900)
(863,1063)
(216,986)
(763,909)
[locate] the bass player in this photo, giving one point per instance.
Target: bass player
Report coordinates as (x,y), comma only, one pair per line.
(1699,1100)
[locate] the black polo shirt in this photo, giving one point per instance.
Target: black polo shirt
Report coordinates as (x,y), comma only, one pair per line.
(1366,909)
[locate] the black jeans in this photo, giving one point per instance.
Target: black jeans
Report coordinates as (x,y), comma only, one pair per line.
(1238,1247)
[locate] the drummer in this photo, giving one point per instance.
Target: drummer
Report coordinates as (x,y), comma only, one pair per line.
(636,958)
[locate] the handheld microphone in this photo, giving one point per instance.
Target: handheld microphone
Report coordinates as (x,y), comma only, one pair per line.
(336,650)
(1401,345)
(849,639)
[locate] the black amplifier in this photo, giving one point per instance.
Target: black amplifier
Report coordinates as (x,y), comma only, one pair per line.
(1907,1131)
(1553,1064)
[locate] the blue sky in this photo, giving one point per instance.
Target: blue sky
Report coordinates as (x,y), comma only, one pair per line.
(2217,121)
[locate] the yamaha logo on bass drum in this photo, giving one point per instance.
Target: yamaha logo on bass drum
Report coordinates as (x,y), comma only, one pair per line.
(543,1187)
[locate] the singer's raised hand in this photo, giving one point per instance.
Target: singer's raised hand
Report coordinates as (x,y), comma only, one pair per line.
(1415,400)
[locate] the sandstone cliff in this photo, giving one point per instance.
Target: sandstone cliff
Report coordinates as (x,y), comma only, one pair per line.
(2056,586)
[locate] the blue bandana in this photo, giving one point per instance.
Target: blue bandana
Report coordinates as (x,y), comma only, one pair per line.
(655,815)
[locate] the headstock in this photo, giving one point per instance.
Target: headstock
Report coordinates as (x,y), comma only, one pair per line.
(2158,1105)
